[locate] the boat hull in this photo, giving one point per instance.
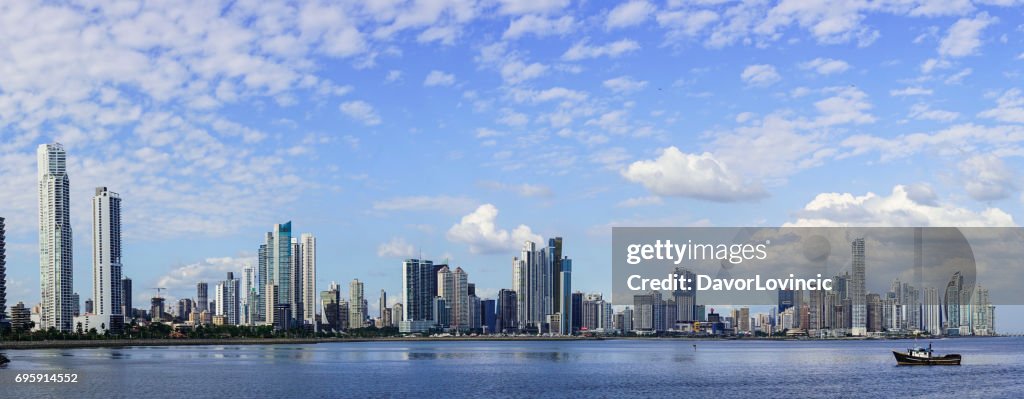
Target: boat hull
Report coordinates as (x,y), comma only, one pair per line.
(905,359)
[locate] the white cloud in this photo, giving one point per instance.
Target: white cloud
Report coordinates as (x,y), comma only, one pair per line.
(760,75)
(958,77)
(442,203)
(678,174)
(517,71)
(522,190)
(582,50)
(396,248)
(478,230)
(640,201)
(538,26)
(686,23)
(439,78)
(932,64)
(963,38)
(628,14)
(516,7)
(360,111)
(987,178)
(826,66)
(924,112)
(183,279)
(896,210)
(1009,107)
(910,91)
(952,141)
(624,84)
(393,75)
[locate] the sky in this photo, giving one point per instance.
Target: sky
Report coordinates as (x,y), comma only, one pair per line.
(456,129)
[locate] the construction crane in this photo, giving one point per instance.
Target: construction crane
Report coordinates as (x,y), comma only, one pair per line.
(158,291)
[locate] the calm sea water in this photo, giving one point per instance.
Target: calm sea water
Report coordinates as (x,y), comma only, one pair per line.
(992,367)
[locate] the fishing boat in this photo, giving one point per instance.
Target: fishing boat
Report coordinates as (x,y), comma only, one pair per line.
(925,357)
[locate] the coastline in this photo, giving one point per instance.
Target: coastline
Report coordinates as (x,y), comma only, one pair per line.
(76,344)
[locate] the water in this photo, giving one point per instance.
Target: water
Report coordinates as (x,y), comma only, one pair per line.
(592,369)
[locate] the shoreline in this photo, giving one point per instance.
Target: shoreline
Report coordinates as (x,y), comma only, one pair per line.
(84,344)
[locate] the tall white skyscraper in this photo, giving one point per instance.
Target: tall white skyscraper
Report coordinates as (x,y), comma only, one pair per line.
(55,253)
(308,249)
(106,258)
(247,296)
(453,286)
(858,296)
(356,306)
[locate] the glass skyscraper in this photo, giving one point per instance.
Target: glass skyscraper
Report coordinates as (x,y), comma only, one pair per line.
(55,248)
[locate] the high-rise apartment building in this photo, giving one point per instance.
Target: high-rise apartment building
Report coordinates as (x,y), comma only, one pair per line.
(357,305)
(419,287)
(55,245)
(227,299)
(857,296)
(3,274)
(106,259)
(307,244)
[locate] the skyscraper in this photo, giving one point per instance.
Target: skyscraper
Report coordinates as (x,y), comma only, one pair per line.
(202,297)
(508,316)
(247,297)
(382,304)
(356,304)
(531,284)
(308,248)
(55,246)
(227,299)
(857,297)
(686,300)
(3,274)
(106,258)
(565,293)
(553,261)
(419,286)
(453,286)
(296,304)
(126,299)
(277,266)
(951,302)
(330,301)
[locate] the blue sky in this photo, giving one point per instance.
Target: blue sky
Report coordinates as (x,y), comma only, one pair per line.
(456,129)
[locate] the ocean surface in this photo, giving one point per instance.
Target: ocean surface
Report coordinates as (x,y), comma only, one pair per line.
(992,368)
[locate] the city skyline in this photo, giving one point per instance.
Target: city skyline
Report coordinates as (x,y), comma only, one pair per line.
(458,131)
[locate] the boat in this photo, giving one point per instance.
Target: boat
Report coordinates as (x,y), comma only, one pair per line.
(925,357)
(4,360)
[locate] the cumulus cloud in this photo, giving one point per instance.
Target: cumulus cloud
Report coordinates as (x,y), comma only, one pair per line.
(479,231)
(624,84)
(898,209)
(679,174)
(583,50)
(963,38)
(361,111)
(396,248)
(760,75)
(925,112)
(439,78)
(181,280)
(987,178)
(538,26)
(1009,107)
(825,66)
(910,91)
(628,14)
